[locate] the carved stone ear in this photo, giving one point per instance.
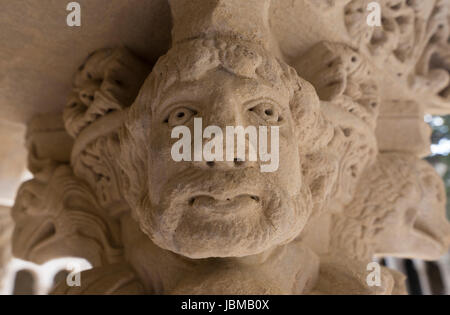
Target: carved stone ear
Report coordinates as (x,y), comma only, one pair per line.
(313,130)
(320,171)
(133,152)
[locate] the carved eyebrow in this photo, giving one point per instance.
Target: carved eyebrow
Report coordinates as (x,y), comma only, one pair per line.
(256,101)
(167,102)
(172,96)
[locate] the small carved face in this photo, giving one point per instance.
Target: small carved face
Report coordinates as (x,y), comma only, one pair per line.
(60,217)
(224,208)
(418,228)
(431,221)
(398,210)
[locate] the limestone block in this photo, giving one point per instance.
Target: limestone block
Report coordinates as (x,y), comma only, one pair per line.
(12,160)
(6,228)
(401,128)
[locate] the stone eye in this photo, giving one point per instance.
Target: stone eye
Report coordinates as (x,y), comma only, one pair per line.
(180,116)
(268,112)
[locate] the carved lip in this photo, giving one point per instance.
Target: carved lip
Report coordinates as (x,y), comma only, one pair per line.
(224,203)
(432,235)
(43,235)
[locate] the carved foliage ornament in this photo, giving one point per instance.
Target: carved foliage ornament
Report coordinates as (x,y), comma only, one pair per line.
(412,44)
(398,210)
(61,217)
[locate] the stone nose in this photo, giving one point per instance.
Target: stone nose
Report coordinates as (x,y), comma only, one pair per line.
(223,165)
(225,144)
(87,93)
(225,149)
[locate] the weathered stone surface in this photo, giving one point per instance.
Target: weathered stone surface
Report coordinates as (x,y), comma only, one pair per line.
(13,157)
(349,186)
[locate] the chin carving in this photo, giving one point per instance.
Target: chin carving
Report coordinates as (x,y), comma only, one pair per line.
(348,186)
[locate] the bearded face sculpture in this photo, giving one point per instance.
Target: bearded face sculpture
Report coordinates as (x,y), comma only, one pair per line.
(205,209)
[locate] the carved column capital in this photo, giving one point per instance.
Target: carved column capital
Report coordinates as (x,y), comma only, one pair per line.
(348,184)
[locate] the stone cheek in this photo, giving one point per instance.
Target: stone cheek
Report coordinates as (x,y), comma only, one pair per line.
(349,185)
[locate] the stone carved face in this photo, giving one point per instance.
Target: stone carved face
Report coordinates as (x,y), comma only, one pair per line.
(60,217)
(420,223)
(398,210)
(199,209)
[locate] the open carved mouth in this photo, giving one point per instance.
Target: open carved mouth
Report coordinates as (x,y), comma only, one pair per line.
(224,204)
(42,235)
(428,232)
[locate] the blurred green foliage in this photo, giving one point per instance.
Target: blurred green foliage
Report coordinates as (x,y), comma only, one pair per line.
(441,149)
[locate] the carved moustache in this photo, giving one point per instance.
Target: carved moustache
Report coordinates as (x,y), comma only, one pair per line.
(220,185)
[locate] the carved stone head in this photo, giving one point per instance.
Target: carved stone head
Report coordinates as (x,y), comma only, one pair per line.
(60,217)
(223,209)
(398,210)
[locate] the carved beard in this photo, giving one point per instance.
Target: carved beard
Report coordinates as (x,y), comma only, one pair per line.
(233,281)
(189,222)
